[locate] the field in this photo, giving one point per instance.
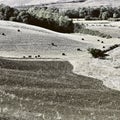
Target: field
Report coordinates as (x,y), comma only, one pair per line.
(74,4)
(103,26)
(49,90)
(45,75)
(66,4)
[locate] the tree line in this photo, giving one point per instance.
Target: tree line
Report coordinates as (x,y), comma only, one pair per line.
(49,18)
(89,13)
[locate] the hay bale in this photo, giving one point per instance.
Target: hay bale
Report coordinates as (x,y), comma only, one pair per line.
(3,34)
(18,30)
(78,49)
(63,54)
(83,39)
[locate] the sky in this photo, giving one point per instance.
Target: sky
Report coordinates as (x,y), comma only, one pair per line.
(24,2)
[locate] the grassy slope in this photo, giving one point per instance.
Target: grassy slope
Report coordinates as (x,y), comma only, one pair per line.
(34,90)
(33,40)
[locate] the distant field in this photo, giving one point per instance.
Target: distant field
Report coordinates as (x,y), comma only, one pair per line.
(86,3)
(74,4)
(49,90)
(108,27)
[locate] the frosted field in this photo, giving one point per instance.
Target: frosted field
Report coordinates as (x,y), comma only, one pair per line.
(31,40)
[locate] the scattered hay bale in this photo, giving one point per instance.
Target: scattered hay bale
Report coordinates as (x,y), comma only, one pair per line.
(83,39)
(53,44)
(98,40)
(29,56)
(3,34)
(102,42)
(63,54)
(38,56)
(78,49)
(18,30)
(103,46)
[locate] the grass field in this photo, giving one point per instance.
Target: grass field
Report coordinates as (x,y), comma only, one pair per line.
(52,87)
(34,41)
(104,26)
(67,4)
(48,90)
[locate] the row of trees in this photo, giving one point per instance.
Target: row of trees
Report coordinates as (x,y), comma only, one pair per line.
(89,13)
(49,18)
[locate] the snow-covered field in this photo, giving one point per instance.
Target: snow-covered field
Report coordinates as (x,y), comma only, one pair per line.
(31,40)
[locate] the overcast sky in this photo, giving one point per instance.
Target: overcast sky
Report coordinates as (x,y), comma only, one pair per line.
(24,2)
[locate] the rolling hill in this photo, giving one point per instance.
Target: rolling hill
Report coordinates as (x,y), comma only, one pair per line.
(86,3)
(52,87)
(70,4)
(62,4)
(18,40)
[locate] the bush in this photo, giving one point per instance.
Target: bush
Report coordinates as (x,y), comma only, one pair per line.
(97,53)
(91,18)
(50,19)
(12,19)
(109,36)
(78,27)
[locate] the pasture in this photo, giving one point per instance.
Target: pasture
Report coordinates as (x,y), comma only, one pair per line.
(45,75)
(49,90)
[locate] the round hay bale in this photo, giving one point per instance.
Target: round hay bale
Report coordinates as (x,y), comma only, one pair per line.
(98,40)
(18,30)
(78,49)
(83,39)
(63,54)
(38,56)
(3,34)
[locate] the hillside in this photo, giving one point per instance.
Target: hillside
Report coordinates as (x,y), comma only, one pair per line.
(47,75)
(22,40)
(49,90)
(73,4)
(92,3)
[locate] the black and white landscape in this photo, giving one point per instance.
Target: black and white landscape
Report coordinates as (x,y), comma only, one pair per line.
(60,60)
